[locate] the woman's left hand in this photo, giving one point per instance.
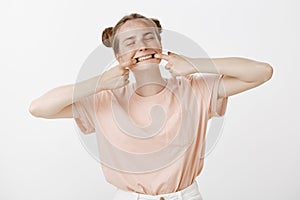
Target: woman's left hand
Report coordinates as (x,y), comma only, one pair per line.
(177,65)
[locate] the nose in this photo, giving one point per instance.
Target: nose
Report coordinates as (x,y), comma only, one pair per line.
(142,46)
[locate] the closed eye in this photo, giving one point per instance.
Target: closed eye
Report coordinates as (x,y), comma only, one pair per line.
(129,44)
(149,38)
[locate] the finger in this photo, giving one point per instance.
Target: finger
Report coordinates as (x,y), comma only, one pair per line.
(123,71)
(125,80)
(161,56)
(121,80)
(172,73)
(126,72)
(168,66)
(127,64)
(126,76)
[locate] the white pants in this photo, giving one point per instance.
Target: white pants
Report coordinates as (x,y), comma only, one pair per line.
(190,193)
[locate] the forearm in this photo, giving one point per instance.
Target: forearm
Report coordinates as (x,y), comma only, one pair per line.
(242,68)
(58,98)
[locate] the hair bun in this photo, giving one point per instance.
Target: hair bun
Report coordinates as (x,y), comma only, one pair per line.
(107,36)
(157,23)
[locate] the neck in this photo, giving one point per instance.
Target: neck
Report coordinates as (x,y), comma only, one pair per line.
(148,80)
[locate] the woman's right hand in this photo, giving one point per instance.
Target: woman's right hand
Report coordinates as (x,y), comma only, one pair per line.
(50,106)
(115,77)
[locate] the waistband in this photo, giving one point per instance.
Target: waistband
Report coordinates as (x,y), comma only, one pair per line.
(186,193)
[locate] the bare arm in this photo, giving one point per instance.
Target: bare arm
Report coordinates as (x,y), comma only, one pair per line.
(57,103)
(241,74)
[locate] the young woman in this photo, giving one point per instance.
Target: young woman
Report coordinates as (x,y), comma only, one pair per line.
(136,43)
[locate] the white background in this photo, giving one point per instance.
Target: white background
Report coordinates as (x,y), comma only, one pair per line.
(44,43)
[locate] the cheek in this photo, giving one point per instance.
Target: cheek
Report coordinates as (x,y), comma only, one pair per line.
(157,45)
(126,57)
(126,52)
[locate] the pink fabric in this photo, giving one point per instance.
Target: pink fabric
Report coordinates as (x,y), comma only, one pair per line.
(97,113)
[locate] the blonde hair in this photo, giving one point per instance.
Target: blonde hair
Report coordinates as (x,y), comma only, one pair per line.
(108,35)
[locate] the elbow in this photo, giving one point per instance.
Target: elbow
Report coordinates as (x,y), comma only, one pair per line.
(34,109)
(266,72)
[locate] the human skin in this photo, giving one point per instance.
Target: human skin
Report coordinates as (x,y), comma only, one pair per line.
(240,74)
(137,38)
(58,102)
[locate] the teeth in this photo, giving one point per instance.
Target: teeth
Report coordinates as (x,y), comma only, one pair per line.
(144,58)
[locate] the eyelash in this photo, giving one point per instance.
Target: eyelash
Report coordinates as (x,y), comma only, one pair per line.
(132,43)
(129,44)
(150,38)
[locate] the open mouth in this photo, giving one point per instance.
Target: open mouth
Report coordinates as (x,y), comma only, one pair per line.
(143,58)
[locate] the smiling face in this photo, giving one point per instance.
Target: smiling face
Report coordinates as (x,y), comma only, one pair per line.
(138,40)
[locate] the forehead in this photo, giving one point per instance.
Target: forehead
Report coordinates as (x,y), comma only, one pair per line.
(135,27)
(135,24)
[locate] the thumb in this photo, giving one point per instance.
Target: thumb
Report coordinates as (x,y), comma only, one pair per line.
(127,64)
(161,56)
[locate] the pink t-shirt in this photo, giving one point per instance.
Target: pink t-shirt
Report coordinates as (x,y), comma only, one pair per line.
(152,145)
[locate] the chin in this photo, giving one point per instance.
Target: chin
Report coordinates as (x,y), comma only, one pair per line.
(147,64)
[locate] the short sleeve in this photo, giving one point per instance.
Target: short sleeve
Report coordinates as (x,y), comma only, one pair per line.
(217,106)
(84,114)
(209,85)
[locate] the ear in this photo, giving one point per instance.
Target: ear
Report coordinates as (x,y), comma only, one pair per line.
(118,57)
